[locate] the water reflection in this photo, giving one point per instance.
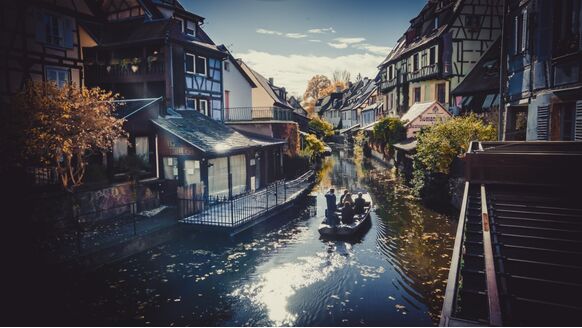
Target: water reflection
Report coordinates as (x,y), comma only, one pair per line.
(281,273)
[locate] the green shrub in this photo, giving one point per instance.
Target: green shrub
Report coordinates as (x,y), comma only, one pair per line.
(388,131)
(439,144)
(313,146)
(321,127)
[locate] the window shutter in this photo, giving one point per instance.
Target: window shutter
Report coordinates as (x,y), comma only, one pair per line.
(40,19)
(68,32)
(543,122)
(524,31)
(578,124)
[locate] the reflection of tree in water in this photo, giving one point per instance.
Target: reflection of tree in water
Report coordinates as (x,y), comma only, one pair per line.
(419,240)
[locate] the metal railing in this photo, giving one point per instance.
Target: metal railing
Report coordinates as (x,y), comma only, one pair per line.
(234,114)
(120,71)
(231,213)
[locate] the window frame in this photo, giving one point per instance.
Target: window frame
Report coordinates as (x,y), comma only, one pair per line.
(58,70)
(186,55)
(194,101)
(205,66)
(206,110)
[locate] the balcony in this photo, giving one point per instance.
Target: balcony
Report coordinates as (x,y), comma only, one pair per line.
(126,72)
(242,114)
(424,72)
(385,85)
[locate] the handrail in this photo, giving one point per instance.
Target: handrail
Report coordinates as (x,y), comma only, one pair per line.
(491,279)
(451,289)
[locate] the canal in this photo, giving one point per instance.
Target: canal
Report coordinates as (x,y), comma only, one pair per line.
(282,273)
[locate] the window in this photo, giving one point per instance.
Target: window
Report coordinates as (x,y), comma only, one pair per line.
(190,28)
(238,171)
(203,107)
(520,32)
(54,30)
(119,148)
(441,92)
(218,177)
(191,172)
(227,66)
(58,75)
(567,26)
(191,103)
(171,168)
(390,72)
(142,148)
(432,56)
(417,94)
(200,65)
(415,63)
(436,22)
(182,24)
(190,63)
(567,121)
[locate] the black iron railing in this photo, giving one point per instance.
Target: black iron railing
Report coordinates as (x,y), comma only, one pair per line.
(224,212)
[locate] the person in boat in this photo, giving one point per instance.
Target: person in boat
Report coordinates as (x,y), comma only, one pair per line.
(359,204)
(343,196)
(347,213)
(348,198)
(331,207)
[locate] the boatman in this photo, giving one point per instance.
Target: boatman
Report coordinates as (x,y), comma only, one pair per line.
(331,206)
(359,204)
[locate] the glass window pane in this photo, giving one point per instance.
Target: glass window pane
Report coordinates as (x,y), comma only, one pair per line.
(119,148)
(191,172)
(171,168)
(238,169)
(218,177)
(142,148)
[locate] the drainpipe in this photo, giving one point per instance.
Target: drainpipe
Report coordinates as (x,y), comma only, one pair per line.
(502,73)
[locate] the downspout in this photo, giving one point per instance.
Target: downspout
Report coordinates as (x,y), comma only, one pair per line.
(502,73)
(172,74)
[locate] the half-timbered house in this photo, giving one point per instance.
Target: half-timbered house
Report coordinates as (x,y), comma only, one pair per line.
(438,50)
(544,70)
(42,40)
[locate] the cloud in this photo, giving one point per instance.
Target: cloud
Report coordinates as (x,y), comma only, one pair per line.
(338,45)
(321,30)
(314,40)
(295,35)
(265,31)
(350,40)
(378,50)
(293,71)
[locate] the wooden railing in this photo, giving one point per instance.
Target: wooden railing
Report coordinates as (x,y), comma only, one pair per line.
(423,72)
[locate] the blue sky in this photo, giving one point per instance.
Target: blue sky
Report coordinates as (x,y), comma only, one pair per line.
(292,40)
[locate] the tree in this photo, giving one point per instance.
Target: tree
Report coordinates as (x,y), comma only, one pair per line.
(315,85)
(64,125)
(334,87)
(388,131)
(313,146)
(321,127)
(341,76)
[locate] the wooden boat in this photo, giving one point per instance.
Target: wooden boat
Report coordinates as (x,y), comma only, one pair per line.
(347,230)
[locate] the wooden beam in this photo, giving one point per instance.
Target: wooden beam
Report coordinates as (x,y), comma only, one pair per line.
(491,278)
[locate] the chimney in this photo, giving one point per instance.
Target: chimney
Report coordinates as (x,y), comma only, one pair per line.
(283,93)
(271,81)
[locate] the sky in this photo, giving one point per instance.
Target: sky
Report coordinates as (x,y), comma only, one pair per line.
(293,40)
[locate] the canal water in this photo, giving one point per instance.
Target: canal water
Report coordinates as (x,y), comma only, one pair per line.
(282,273)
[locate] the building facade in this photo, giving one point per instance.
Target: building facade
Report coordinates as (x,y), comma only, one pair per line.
(438,50)
(544,70)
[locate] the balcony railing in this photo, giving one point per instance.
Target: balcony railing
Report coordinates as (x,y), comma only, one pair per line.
(141,70)
(388,84)
(424,72)
(239,114)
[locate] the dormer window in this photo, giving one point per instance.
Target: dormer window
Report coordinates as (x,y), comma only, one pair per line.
(187,27)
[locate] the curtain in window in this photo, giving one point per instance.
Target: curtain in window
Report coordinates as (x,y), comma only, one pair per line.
(142,148)
(238,169)
(171,168)
(119,148)
(218,177)
(191,172)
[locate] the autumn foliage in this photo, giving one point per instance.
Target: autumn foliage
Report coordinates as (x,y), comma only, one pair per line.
(60,126)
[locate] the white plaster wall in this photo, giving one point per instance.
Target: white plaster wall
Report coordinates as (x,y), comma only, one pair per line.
(239,87)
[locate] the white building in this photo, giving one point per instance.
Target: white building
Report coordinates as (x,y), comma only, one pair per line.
(238,86)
